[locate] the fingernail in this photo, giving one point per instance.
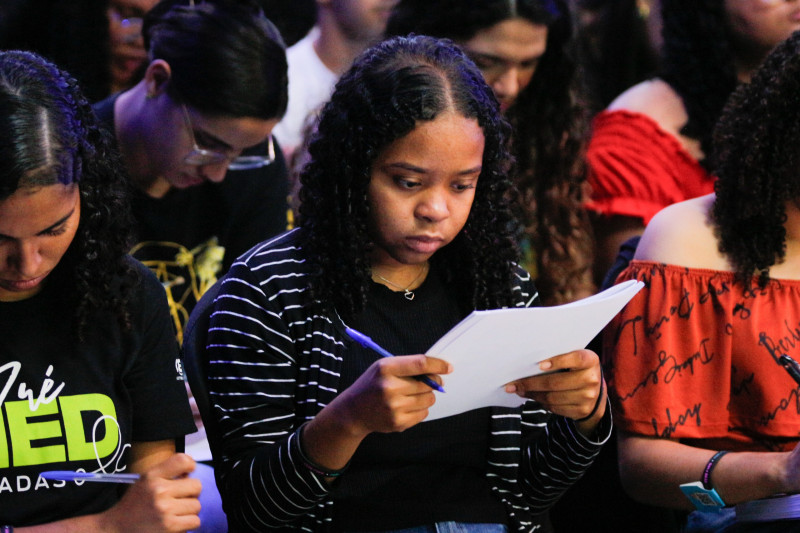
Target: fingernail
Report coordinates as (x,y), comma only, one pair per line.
(511,388)
(545,365)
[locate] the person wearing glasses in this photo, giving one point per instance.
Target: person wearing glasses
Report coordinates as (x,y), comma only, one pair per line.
(195,136)
(98,42)
(520,46)
(126,53)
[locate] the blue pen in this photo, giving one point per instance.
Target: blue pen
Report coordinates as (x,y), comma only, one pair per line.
(366,342)
(69,475)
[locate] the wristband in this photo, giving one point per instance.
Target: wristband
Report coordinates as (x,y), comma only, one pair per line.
(597,403)
(706,479)
(701,493)
(311,465)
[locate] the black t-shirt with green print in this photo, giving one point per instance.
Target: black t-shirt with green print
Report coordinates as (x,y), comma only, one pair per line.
(70,406)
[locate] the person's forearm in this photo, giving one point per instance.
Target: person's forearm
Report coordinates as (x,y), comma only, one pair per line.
(554,462)
(653,469)
(331,438)
(81,524)
(269,486)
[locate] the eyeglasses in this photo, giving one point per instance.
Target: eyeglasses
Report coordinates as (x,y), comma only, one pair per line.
(201,156)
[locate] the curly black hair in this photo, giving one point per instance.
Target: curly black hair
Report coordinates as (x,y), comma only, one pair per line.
(549,133)
(389,89)
(49,135)
(757,161)
(698,63)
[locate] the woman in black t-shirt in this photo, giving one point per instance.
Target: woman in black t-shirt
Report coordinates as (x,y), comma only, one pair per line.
(90,379)
(404,229)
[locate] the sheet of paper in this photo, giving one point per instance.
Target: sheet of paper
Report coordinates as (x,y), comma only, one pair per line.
(488,349)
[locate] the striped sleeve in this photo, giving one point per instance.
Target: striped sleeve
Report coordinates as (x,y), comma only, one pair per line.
(557,458)
(253,375)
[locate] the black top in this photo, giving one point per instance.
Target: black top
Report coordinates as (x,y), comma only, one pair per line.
(71,406)
(275,361)
(191,236)
(434,471)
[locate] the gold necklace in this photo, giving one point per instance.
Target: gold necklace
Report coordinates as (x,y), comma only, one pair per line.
(409,294)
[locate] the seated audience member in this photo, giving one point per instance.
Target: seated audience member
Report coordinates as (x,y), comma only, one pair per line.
(98,41)
(521,47)
(405,228)
(649,149)
(89,359)
(699,376)
(126,53)
(210,182)
(344,29)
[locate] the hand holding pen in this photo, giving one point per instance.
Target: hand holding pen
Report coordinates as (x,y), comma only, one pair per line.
(162,499)
(384,399)
(367,342)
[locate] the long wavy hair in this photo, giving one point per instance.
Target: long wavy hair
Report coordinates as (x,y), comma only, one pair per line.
(390,89)
(757,162)
(698,63)
(614,49)
(549,133)
(49,135)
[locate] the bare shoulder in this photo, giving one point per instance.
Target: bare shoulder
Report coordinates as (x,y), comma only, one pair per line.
(656,99)
(682,234)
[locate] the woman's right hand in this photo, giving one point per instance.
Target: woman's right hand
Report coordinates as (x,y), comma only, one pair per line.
(387,398)
(165,499)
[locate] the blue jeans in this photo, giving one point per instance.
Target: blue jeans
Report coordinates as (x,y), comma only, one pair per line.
(454,527)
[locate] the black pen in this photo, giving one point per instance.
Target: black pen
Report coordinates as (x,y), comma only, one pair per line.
(791,367)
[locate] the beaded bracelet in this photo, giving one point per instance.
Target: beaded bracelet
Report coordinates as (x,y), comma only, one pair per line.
(706,479)
(311,465)
(597,403)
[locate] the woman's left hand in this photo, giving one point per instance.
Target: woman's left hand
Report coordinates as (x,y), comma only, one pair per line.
(572,387)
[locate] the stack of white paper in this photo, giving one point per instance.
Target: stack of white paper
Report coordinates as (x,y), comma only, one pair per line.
(488,349)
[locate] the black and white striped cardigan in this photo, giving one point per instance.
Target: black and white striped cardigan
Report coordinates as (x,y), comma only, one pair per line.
(274,363)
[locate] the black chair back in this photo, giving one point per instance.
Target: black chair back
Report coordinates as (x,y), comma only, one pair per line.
(196,363)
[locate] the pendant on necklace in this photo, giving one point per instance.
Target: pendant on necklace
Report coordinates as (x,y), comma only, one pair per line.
(408,294)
